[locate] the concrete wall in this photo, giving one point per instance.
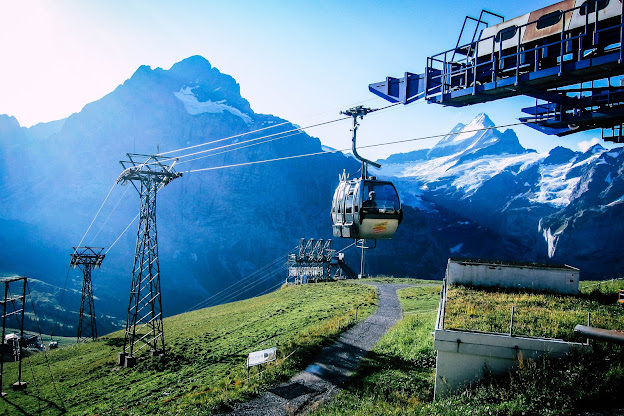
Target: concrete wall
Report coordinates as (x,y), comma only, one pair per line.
(558,279)
(463,356)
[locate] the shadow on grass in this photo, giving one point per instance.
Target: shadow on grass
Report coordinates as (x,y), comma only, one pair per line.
(394,378)
(600,297)
(43,406)
(114,342)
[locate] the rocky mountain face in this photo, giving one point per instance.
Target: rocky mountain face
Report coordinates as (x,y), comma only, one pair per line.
(560,207)
(476,194)
(214,227)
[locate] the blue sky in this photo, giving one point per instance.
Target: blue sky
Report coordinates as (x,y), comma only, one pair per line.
(303,61)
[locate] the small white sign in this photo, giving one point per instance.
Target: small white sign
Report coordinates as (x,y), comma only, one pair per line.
(261,357)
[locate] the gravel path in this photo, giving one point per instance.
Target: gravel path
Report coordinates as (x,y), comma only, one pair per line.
(320,381)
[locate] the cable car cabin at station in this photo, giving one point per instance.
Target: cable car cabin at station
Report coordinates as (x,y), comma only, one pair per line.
(367,209)
(550,54)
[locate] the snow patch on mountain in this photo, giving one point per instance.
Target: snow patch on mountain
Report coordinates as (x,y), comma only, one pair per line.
(195,107)
(470,176)
(620,200)
(551,238)
(553,188)
(557,183)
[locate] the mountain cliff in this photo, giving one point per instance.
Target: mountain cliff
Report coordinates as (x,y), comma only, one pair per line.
(214,227)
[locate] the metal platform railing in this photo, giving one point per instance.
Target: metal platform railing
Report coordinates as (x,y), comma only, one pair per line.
(445,74)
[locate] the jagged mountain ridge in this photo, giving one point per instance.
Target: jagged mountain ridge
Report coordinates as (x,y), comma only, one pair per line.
(561,206)
(214,227)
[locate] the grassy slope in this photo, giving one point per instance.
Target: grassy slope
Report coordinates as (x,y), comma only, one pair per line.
(207,352)
(398,378)
(540,315)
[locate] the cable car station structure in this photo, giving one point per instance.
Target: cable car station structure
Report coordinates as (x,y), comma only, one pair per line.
(566,56)
(316,261)
(144,326)
(312,262)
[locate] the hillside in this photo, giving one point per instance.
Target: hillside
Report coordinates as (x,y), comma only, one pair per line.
(397,378)
(205,370)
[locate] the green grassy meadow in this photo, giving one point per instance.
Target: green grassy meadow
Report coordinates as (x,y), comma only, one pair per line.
(539,315)
(207,349)
(206,373)
(398,377)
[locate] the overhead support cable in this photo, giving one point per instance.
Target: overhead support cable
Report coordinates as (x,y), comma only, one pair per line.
(96,214)
(347,149)
(109,215)
(257,130)
(298,129)
(254,274)
(223,139)
(241,147)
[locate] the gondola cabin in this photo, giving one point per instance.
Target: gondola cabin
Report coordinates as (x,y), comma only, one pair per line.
(366,209)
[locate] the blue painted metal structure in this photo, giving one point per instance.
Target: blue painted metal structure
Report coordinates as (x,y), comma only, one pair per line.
(554,69)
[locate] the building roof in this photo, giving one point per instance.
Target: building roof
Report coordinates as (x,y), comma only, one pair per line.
(505,263)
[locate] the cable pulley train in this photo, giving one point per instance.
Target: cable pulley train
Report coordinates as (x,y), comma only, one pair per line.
(365,208)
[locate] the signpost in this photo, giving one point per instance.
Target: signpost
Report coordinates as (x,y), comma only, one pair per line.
(261,357)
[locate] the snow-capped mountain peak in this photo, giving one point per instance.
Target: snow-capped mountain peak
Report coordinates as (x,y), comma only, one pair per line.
(550,201)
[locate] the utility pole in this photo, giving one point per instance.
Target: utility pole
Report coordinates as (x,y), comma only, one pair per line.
(87,258)
(18,311)
(144,326)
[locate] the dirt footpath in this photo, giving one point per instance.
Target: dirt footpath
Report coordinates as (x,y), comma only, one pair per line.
(320,381)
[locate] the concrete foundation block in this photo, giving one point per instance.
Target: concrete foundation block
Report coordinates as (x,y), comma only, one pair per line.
(20,385)
(122,358)
(130,361)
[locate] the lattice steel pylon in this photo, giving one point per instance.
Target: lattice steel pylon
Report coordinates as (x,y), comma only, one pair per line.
(87,258)
(144,327)
(16,349)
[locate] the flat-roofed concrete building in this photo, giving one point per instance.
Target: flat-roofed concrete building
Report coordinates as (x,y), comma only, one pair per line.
(493,273)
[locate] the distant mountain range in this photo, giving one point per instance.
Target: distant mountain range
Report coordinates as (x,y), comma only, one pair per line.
(561,206)
(477,194)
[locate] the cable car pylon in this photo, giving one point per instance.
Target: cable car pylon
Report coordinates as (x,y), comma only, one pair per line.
(87,258)
(144,326)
